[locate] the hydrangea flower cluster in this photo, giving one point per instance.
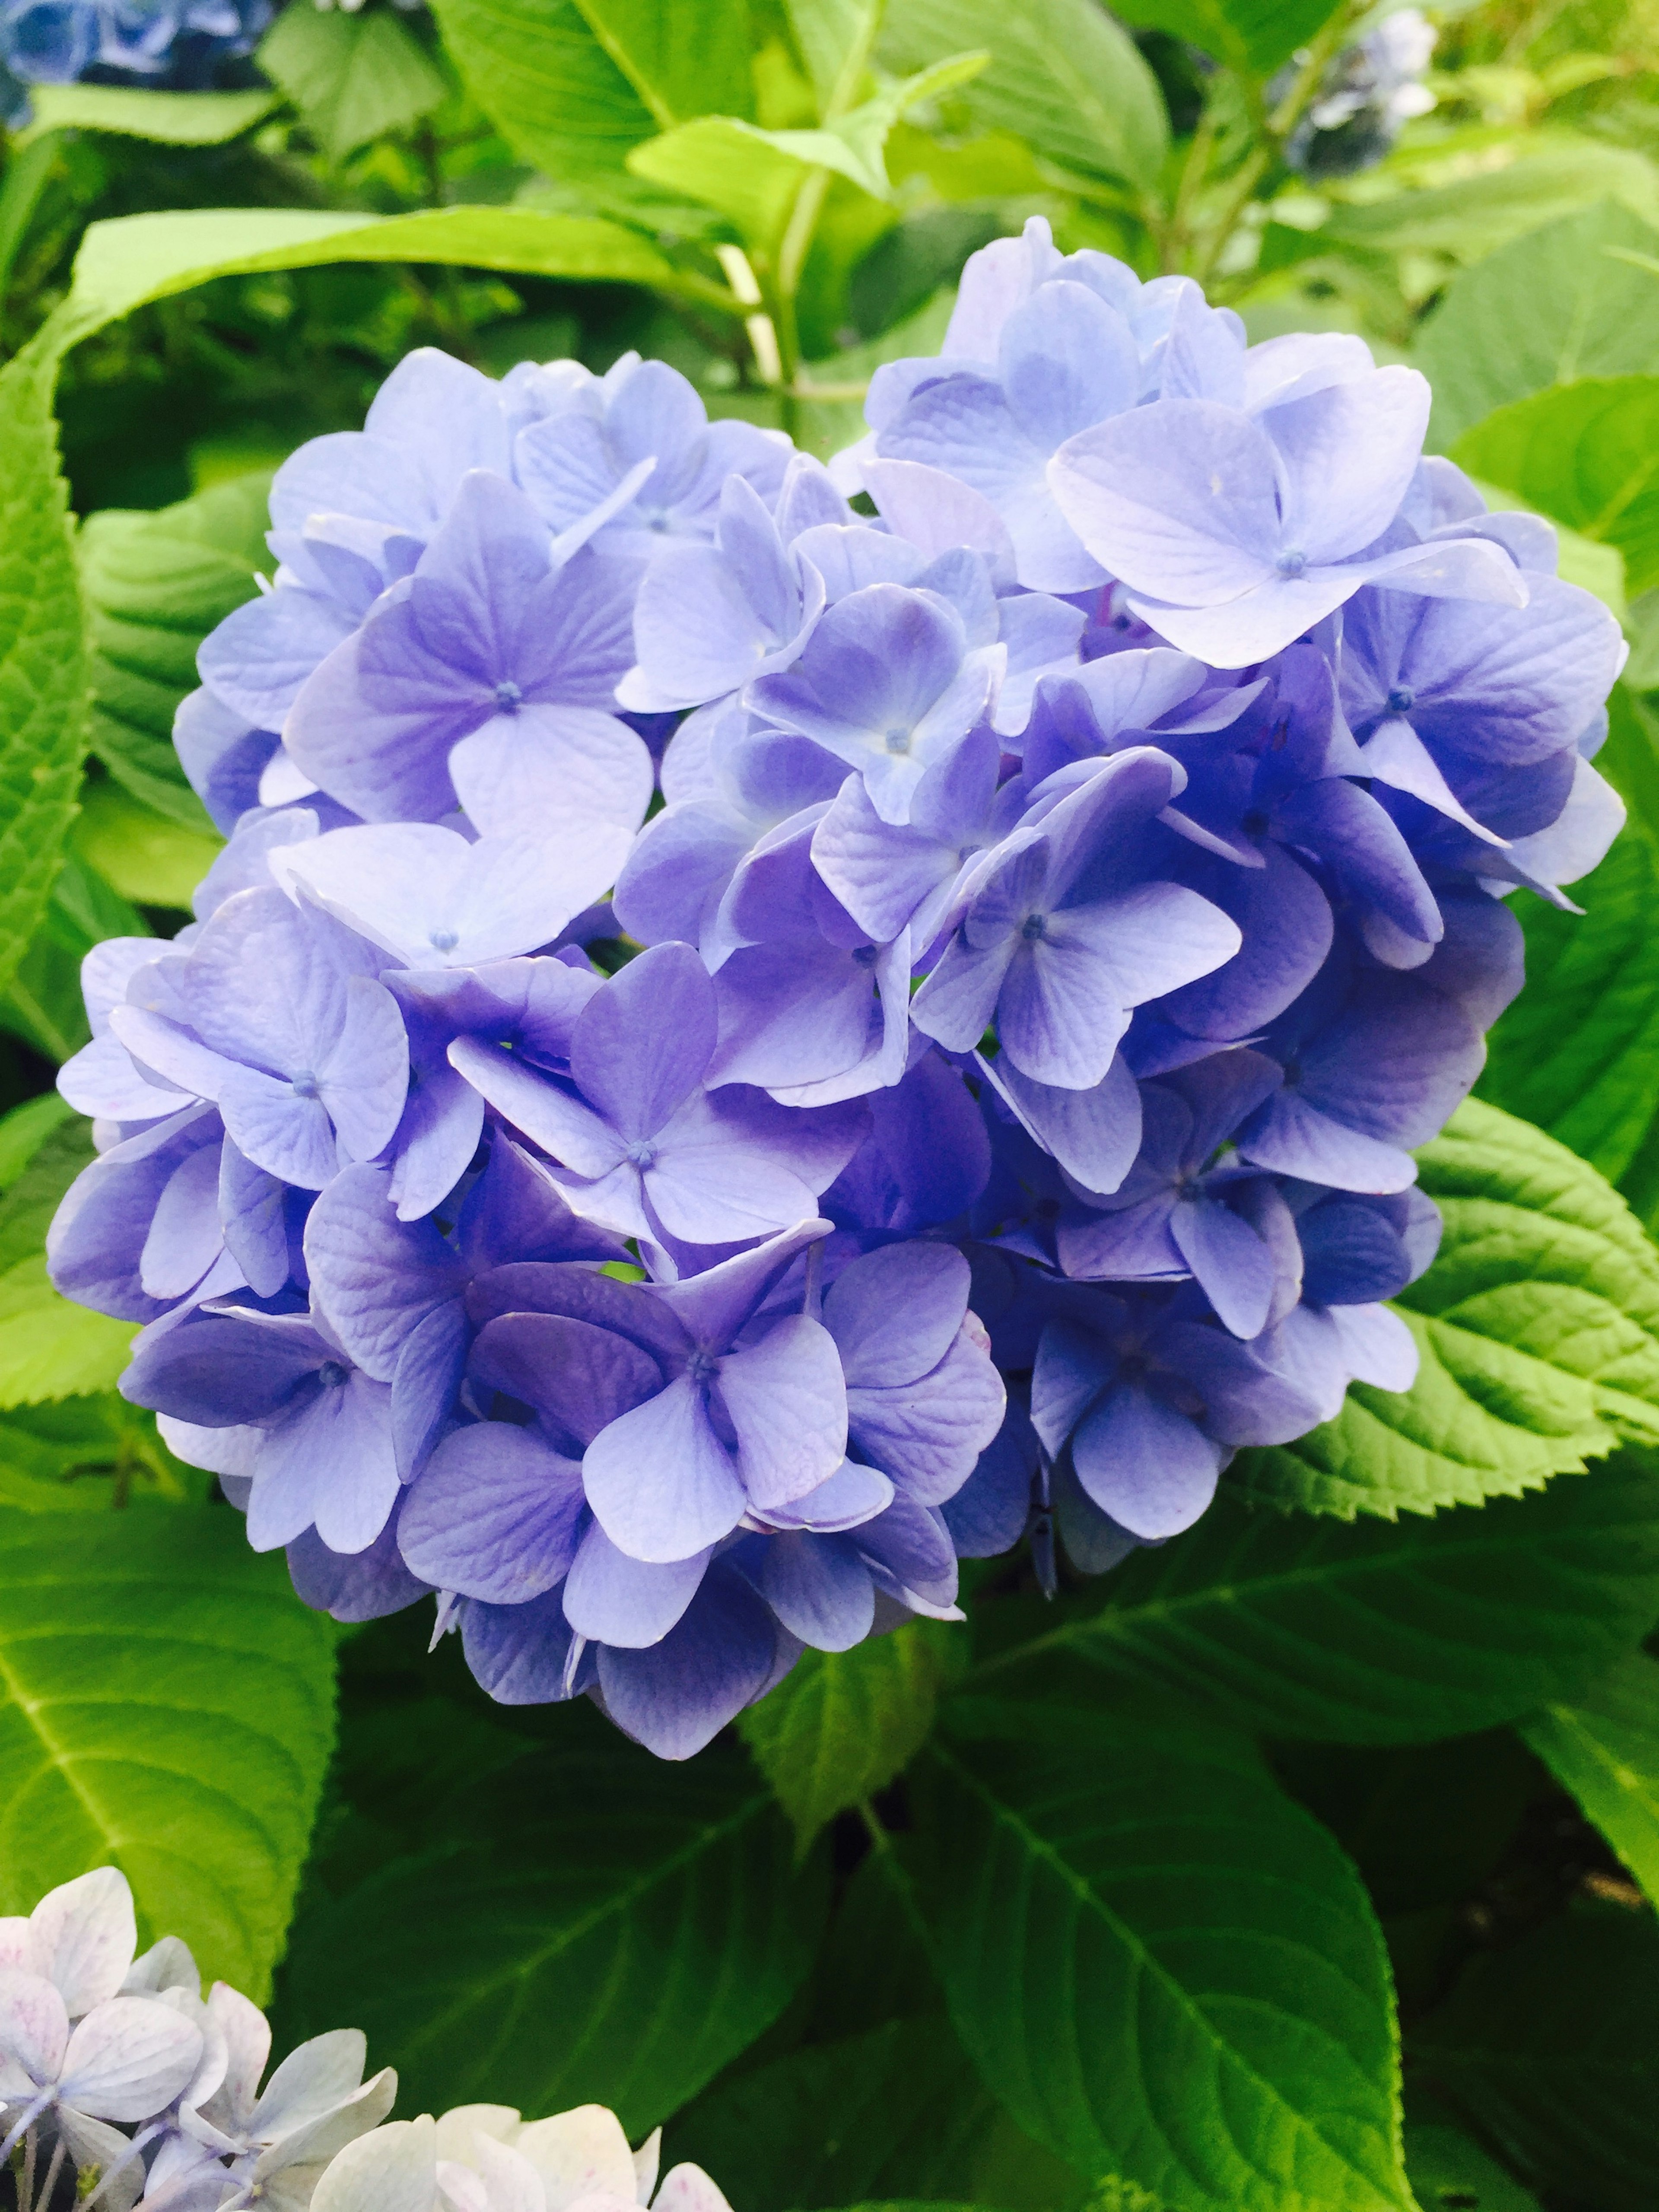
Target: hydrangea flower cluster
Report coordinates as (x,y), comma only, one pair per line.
(1368,91)
(121,2069)
(1061,849)
(177,44)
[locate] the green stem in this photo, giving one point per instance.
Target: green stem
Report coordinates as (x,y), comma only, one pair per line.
(1273,130)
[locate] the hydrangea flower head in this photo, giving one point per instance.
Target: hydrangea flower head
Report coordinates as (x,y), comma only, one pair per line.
(667,1236)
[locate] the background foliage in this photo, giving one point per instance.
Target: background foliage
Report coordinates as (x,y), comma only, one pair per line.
(1307,1861)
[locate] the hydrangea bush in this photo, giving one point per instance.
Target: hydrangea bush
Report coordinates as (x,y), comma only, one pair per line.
(979,1096)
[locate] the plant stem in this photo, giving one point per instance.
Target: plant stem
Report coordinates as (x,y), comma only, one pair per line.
(1272,129)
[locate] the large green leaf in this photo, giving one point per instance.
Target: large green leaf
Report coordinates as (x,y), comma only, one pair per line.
(1364,1633)
(1604,1747)
(842,1724)
(1587,453)
(1578,1054)
(682,57)
(550,90)
(1551,2045)
(1062,75)
(1169,1972)
(1551,307)
(585,1923)
(166,1707)
(43,659)
(156,583)
(123,264)
(49,1347)
(353,77)
(1538,1336)
(174,119)
(1252,35)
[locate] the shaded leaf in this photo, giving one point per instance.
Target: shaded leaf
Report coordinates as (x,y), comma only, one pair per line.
(898,2112)
(1604,1747)
(1365,1633)
(43,1004)
(1551,2046)
(166,1707)
(1450,2174)
(593,1924)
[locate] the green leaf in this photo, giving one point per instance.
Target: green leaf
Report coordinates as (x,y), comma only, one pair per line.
(897,2112)
(650,1913)
(835,38)
(83,1454)
(743,171)
(754,176)
(1550,2046)
(166,1707)
(1578,1054)
(1540,178)
(44,1004)
(353,77)
(553,93)
(25,1129)
(842,1724)
(1550,307)
(1253,36)
(1605,1748)
(43,668)
(126,262)
(150,858)
(1365,1633)
(32,1195)
(173,118)
(156,582)
(1167,1971)
(49,1347)
(682,57)
(1062,75)
(1587,453)
(1450,2174)
(1537,1329)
